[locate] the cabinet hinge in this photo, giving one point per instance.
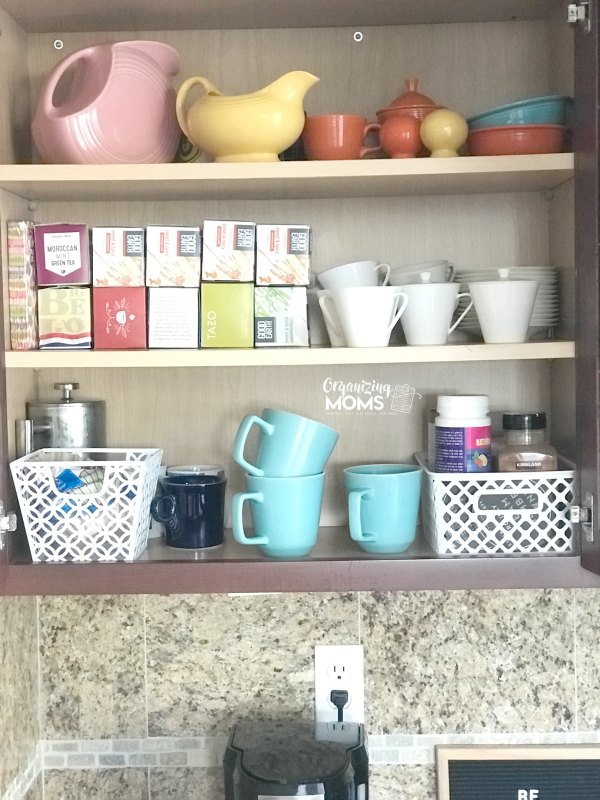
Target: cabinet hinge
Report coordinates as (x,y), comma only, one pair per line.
(579,13)
(584,515)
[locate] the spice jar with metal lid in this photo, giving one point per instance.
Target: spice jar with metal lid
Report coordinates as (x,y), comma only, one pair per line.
(525,447)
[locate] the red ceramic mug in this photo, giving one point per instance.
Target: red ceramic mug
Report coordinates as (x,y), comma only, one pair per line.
(330,137)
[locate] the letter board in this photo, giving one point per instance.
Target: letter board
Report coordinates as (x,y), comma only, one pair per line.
(518,772)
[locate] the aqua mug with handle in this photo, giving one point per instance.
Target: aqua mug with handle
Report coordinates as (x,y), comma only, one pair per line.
(285,514)
(289,445)
(383,505)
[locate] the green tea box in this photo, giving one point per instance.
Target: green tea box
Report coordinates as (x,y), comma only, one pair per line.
(282,255)
(228,251)
(227,314)
(118,257)
(280,316)
(65,318)
(173,255)
(173,317)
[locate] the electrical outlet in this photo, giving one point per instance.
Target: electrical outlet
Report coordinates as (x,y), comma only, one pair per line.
(339,667)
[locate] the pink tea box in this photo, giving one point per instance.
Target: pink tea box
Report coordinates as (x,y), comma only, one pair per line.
(117,256)
(227,313)
(228,251)
(172,256)
(22,285)
(280,316)
(65,318)
(173,317)
(119,318)
(283,255)
(62,254)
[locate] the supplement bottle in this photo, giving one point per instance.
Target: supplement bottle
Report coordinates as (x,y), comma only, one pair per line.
(463,434)
(525,448)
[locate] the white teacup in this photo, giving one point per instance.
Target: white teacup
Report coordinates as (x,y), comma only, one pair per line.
(357,273)
(428,316)
(367,313)
(504,309)
(440,271)
(333,323)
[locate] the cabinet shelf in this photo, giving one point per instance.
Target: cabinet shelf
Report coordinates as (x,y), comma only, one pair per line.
(335,564)
(313,356)
(288,179)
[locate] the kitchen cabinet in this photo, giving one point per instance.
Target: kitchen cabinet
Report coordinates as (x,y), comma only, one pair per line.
(492,211)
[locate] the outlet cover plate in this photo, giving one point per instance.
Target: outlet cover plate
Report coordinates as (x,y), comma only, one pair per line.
(339,667)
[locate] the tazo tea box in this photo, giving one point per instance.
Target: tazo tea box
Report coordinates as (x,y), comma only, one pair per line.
(227,312)
(172,256)
(119,318)
(280,316)
(173,317)
(228,251)
(282,255)
(62,254)
(118,256)
(64,317)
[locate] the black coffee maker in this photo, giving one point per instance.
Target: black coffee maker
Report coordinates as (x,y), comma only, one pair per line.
(278,760)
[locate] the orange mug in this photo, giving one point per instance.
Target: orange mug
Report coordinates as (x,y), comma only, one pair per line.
(330,137)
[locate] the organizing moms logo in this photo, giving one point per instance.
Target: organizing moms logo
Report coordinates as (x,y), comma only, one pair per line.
(368,397)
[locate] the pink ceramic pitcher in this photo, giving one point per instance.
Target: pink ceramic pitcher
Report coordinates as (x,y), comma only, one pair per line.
(114,105)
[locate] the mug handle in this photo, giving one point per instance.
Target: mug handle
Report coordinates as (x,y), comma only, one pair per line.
(364,151)
(387,269)
(237,522)
(355,497)
(464,313)
(240,442)
(451,273)
(399,311)
(327,314)
(158,508)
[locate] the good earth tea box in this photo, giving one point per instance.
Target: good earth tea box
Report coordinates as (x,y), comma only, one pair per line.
(64,317)
(280,316)
(118,256)
(119,318)
(228,251)
(62,254)
(282,255)
(172,256)
(173,317)
(227,315)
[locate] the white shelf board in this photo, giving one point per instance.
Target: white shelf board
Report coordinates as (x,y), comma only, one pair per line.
(297,357)
(288,179)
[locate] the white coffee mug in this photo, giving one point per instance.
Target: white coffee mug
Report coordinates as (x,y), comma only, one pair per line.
(428,316)
(504,309)
(367,313)
(357,273)
(333,324)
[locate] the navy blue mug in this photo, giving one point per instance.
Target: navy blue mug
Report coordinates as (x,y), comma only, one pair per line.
(192,509)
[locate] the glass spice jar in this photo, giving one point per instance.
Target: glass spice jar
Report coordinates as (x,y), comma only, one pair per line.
(525,448)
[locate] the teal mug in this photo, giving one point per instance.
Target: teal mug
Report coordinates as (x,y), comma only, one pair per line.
(383,505)
(289,445)
(285,514)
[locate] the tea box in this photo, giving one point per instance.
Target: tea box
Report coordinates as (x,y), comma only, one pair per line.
(283,255)
(64,317)
(173,317)
(228,251)
(227,314)
(280,316)
(62,254)
(118,256)
(22,285)
(119,318)
(172,256)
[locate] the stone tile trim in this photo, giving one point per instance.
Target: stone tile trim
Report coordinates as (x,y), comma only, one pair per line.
(19,787)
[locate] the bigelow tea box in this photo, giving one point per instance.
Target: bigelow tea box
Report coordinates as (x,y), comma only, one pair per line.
(227,314)
(280,316)
(172,256)
(173,317)
(64,317)
(228,250)
(282,255)
(119,318)
(22,286)
(62,254)
(118,256)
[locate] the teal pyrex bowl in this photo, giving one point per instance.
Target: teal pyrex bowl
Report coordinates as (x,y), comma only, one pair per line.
(550,110)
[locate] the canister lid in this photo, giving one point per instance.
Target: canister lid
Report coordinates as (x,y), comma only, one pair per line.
(477,404)
(529,421)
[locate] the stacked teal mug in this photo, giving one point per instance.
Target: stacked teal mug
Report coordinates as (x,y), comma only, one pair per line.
(285,482)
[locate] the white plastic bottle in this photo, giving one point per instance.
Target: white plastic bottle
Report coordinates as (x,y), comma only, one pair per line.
(463,433)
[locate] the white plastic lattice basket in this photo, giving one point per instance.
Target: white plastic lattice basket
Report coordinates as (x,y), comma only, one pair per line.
(86,505)
(498,513)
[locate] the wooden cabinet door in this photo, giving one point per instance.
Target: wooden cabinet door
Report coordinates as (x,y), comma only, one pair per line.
(587,209)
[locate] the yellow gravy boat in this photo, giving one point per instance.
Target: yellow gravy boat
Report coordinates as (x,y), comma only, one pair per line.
(245,127)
